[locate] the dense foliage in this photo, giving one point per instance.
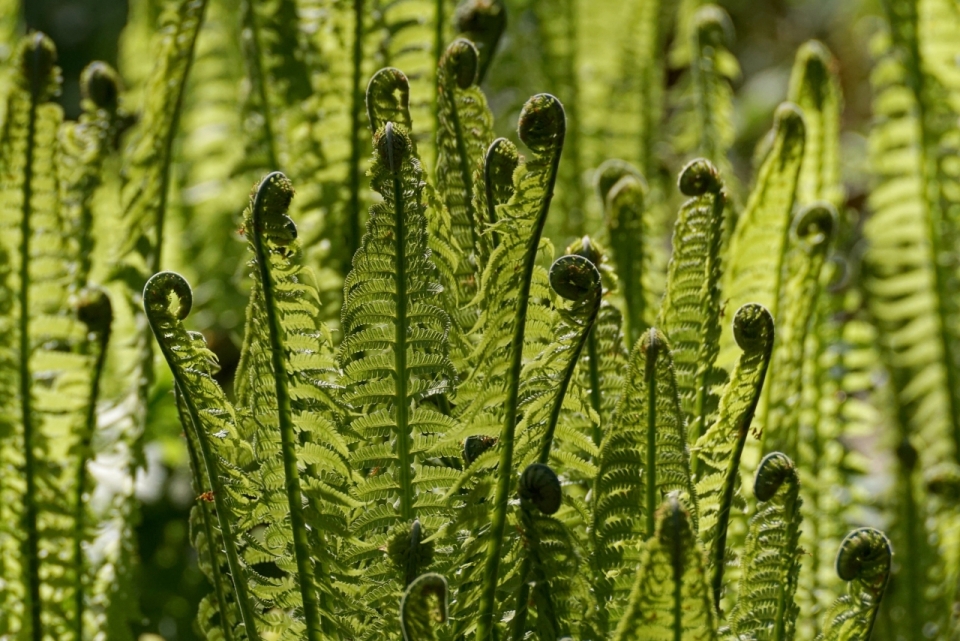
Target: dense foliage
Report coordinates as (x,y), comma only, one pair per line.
(435,428)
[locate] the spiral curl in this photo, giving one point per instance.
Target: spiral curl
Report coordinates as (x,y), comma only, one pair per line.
(714,26)
(610,172)
(100,84)
(864,554)
(38,66)
(789,119)
(753,327)
(574,277)
(481,19)
(540,485)
(474,446)
(775,469)
(818,62)
(816,223)
(543,123)
(699,177)
(652,342)
(388,94)
(271,200)
(461,62)
(417,595)
(157,296)
(95,310)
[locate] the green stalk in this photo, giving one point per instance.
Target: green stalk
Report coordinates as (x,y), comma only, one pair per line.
(259,81)
(26,400)
(650,376)
(498,521)
(466,173)
(288,437)
(90,424)
(201,483)
(791,512)
(594,372)
(356,110)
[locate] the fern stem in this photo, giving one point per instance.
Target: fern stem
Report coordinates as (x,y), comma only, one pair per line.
(785,594)
(650,471)
(89,426)
(466,174)
(356,113)
(202,483)
(259,81)
(593,371)
(26,400)
(498,520)
(288,436)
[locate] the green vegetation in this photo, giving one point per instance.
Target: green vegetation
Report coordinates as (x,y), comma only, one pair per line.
(435,427)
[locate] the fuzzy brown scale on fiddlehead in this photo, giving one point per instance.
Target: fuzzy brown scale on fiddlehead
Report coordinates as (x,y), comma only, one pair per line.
(460,61)
(543,123)
(753,328)
(699,177)
(38,66)
(816,224)
(388,99)
(159,292)
(540,486)
(775,469)
(392,143)
(865,554)
(574,277)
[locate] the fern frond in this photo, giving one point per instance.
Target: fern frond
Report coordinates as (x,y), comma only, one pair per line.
(644,455)
(670,596)
(815,88)
(623,192)
(864,561)
(499,164)
(211,417)
(754,276)
(721,446)
(810,239)
(765,607)
(482,22)
(690,311)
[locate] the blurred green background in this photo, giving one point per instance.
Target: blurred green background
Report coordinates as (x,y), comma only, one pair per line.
(768,33)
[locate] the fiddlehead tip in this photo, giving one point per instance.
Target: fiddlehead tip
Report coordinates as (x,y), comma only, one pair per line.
(540,485)
(714,26)
(816,223)
(481,19)
(542,123)
(100,84)
(699,177)
(610,172)
(652,342)
(474,446)
(753,327)
(391,143)
(501,161)
(774,470)
(461,61)
(817,60)
(408,551)
(424,602)
(388,91)
(38,66)
(158,291)
(589,249)
(788,120)
(864,554)
(271,200)
(574,277)
(673,521)
(94,310)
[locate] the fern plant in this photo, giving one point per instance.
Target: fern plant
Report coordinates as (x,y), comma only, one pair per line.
(434,428)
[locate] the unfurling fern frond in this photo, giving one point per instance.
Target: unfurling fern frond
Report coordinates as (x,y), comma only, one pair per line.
(670,598)
(423,606)
(690,311)
(466,131)
(765,608)
(810,239)
(483,23)
(754,276)
(644,456)
(721,446)
(506,290)
(212,422)
(864,561)
(499,164)
(623,192)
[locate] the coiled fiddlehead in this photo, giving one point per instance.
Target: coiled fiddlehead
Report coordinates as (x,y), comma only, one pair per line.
(540,486)
(863,560)
(721,447)
(423,606)
(388,99)
(499,164)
